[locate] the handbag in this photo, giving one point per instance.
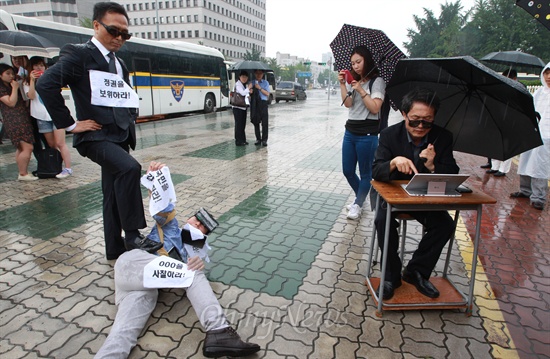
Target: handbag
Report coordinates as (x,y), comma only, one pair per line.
(236,99)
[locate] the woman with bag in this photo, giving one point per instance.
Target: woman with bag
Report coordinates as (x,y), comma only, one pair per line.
(239,102)
(55,137)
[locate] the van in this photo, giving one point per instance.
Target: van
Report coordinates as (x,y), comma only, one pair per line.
(290,91)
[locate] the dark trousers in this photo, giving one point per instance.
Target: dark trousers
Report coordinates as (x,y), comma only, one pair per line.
(240,125)
(262,121)
(120,183)
(439,227)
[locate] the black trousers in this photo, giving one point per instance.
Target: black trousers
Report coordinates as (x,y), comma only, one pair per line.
(120,183)
(262,121)
(439,227)
(240,125)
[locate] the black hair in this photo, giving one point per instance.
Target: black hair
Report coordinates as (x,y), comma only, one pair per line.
(423,95)
(510,73)
(369,66)
(5,67)
(243,72)
(102,8)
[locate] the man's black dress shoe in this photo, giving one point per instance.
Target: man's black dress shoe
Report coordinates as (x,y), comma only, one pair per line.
(264,143)
(422,285)
(499,174)
(487,165)
(538,205)
(240,144)
(491,171)
(142,242)
(258,143)
(389,289)
(518,195)
(226,342)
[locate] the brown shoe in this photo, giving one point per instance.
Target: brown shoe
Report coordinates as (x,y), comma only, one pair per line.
(226,342)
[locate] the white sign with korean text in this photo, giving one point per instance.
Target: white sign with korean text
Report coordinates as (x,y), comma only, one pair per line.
(111,90)
(166,272)
(161,187)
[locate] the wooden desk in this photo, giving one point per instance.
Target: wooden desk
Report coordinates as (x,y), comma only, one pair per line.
(450,296)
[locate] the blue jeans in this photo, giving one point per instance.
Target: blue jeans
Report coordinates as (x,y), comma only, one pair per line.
(358,150)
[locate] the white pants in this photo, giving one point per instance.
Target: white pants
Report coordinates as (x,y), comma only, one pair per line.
(501,166)
(136,303)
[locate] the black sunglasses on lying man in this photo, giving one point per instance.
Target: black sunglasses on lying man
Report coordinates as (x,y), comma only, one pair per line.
(114,32)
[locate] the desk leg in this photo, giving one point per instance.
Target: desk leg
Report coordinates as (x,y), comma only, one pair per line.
(450,246)
(474,263)
(384,260)
(373,237)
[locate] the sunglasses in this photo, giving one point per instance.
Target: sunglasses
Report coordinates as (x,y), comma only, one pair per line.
(114,32)
(416,123)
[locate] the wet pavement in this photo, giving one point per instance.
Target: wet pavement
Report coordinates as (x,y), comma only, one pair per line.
(287,265)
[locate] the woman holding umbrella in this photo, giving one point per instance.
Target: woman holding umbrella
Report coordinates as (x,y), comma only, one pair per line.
(17,121)
(361,136)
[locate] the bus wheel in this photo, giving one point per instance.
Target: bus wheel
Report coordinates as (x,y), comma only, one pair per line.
(209,103)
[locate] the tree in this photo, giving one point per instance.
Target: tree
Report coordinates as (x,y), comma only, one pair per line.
(86,22)
(438,37)
(254,55)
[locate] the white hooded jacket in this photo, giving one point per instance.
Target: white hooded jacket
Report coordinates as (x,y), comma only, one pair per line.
(536,162)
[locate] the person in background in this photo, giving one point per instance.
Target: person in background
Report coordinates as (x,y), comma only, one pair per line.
(407,148)
(534,165)
(135,302)
(17,121)
(362,127)
(501,168)
(239,113)
(20,65)
(54,137)
(104,134)
(258,108)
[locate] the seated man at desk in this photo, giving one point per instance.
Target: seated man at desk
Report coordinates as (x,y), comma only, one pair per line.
(414,145)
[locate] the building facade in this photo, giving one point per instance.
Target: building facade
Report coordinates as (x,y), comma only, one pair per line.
(231,26)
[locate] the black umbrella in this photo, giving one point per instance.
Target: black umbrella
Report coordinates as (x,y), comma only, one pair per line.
(514,59)
(489,115)
(22,43)
(539,9)
(248,65)
(385,53)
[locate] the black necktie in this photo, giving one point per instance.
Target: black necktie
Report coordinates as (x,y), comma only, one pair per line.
(112,63)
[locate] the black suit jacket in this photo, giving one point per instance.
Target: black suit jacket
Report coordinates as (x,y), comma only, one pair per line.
(72,69)
(394,142)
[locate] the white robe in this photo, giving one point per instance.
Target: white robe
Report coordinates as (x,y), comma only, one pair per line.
(535,163)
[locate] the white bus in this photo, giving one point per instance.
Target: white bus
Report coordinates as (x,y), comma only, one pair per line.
(170,77)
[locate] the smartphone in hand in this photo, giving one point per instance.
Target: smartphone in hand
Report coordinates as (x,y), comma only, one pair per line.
(348,76)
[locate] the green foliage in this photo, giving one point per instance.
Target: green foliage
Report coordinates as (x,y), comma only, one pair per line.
(491,25)
(86,22)
(327,75)
(252,56)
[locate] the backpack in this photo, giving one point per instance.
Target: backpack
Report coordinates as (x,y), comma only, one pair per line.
(384,112)
(49,163)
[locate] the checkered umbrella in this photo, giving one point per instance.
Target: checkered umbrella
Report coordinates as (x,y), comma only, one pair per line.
(385,53)
(539,9)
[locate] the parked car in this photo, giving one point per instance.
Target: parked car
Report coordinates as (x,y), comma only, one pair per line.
(289,91)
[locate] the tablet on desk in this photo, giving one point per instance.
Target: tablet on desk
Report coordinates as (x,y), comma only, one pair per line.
(435,184)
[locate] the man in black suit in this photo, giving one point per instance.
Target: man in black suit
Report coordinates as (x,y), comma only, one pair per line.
(102,133)
(415,145)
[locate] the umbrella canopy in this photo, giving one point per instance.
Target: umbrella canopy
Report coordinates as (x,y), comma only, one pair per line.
(384,52)
(22,43)
(249,66)
(539,9)
(515,59)
(489,115)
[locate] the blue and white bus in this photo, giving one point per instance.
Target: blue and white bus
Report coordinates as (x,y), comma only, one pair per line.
(170,77)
